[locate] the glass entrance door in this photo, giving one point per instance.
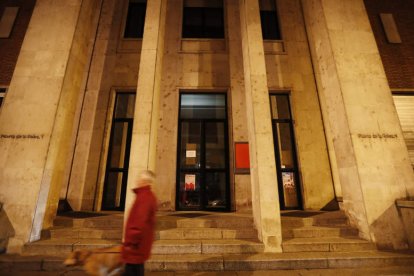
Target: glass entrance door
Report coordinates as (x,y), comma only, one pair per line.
(285,152)
(202,169)
(116,174)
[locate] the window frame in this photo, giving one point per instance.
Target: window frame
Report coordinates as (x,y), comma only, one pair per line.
(107,164)
(126,17)
(204,34)
(279,35)
(8,21)
(204,170)
(279,170)
(3,92)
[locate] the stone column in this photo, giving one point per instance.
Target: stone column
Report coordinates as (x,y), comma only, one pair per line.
(146,117)
(372,159)
(265,199)
(36,122)
(83,183)
(242,186)
(296,73)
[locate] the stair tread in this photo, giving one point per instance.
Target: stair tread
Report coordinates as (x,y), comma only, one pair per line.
(319,227)
(70,241)
(58,228)
(285,256)
(157,242)
(257,256)
(54,242)
(324,240)
(202,241)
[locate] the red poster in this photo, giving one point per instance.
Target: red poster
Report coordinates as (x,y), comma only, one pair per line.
(189,182)
(242,155)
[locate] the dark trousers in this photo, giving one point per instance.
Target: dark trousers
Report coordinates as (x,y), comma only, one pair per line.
(134,270)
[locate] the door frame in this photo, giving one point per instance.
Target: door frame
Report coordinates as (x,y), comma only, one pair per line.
(203,170)
(280,170)
(108,154)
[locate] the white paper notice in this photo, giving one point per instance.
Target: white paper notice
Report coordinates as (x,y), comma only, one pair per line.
(190,153)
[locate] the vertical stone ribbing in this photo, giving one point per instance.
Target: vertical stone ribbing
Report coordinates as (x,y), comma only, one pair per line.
(242,189)
(33,106)
(372,160)
(266,208)
(144,134)
(84,174)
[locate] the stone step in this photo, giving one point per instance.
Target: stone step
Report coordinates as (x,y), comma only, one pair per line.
(86,233)
(275,261)
(319,232)
(59,247)
(98,222)
(103,223)
(330,221)
(300,219)
(217,222)
(333,265)
(205,234)
(163,221)
(223,246)
(232,220)
(289,223)
(62,247)
(161,224)
(333,244)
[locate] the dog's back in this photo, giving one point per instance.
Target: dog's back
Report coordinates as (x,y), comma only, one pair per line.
(100,262)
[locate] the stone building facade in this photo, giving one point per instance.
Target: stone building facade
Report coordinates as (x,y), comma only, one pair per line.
(237,105)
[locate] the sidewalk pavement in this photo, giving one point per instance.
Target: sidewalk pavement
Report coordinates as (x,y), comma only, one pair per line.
(400,271)
(17,265)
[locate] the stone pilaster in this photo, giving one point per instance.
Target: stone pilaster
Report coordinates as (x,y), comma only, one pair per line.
(144,133)
(296,75)
(36,122)
(372,160)
(266,210)
(84,175)
(242,187)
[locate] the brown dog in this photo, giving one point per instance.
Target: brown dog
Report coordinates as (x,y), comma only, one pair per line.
(99,262)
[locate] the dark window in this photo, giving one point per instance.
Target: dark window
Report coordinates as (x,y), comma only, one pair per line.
(134,27)
(404,103)
(7,21)
(203,19)
(2,94)
(268,18)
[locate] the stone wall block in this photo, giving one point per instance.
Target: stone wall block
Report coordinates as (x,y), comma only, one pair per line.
(367,146)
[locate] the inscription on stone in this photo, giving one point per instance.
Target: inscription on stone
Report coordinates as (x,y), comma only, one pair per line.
(21,136)
(378,136)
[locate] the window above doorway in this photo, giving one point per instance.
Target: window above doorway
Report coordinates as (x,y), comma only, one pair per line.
(269,20)
(203,106)
(134,26)
(7,21)
(3,91)
(203,19)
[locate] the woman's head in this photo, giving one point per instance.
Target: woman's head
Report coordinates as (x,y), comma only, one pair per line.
(146,178)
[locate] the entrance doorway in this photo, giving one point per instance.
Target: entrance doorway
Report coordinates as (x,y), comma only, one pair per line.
(202,161)
(116,173)
(285,153)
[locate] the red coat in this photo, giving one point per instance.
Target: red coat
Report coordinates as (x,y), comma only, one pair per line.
(140,227)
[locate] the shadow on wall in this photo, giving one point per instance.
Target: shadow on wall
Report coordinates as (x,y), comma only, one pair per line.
(406,213)
(332,205)
(392,230)
(6,230)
